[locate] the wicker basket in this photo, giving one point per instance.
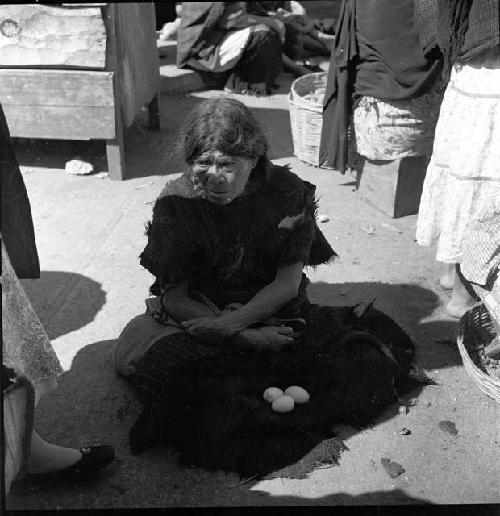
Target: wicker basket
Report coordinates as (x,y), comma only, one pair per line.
(306,117)
(475,332)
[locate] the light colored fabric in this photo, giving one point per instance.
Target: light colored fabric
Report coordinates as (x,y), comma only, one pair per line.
(396,129)
(481,255)
(230,50)
(463,175)
(481,258)
(25,345)
(138,336)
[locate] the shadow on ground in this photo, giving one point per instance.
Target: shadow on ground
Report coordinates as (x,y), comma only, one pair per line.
(64,301)
(93,404)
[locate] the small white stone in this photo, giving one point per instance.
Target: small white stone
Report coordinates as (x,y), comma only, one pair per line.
(323,218)
(78,167)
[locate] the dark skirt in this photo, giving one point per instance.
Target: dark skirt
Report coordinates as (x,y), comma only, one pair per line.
(261,60)
(207,402)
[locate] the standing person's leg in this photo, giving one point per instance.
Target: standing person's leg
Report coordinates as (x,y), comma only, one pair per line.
(461,296)
(25,344)
(447,280)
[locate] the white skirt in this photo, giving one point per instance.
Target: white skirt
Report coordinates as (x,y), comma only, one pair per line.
(464,171)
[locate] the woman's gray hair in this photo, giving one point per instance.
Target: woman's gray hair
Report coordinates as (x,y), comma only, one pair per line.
(222,124)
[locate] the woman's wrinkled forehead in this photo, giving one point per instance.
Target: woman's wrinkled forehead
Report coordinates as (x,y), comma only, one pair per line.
(213,154)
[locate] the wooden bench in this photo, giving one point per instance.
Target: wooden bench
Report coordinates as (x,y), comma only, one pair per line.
(79,72)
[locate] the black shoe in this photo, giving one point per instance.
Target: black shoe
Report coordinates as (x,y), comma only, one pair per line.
(94,458)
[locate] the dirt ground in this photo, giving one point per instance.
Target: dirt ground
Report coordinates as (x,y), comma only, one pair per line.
(90,232)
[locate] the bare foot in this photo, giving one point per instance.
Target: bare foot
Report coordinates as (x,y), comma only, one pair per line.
(460,301)
(257,88)
(447,280)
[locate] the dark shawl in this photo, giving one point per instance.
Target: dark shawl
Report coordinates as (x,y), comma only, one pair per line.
(199,33)
(377,53)
(337,104)
(230,252)
(16,222)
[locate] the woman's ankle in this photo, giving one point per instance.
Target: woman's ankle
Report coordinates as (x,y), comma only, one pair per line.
(447,280)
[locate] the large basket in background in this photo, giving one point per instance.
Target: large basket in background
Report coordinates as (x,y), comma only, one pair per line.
(306,117)
(475,332)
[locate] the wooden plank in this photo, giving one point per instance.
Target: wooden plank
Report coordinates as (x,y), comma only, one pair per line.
(137,56)
(41,35)
(56,88)
(410,183)
(61,122)
(115,149)
(154,113)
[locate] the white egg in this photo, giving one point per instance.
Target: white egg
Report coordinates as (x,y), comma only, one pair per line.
(271,393)
(283,404)
(298,394)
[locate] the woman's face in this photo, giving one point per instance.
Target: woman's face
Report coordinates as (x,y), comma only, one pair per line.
(220,176)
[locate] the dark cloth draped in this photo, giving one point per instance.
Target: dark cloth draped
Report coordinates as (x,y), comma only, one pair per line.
(261,61)
(483,30)
(198,31)
(462,29)
(377,53)
(391,64)
(16,221)
(338,98)
(228,253)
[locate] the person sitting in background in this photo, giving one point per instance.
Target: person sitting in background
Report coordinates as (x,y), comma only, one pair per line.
(463,175)
(230,47)
(26,349)
(305,37)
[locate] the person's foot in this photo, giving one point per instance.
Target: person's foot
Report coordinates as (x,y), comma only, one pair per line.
(257,88)
(461,301)
(447,280)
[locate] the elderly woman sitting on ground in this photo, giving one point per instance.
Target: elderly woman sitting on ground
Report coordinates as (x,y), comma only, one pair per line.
(228,244)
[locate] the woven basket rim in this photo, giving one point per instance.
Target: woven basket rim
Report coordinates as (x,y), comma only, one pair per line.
(487,383)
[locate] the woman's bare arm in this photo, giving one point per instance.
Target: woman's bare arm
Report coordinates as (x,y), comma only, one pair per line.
(264,304)
(181,307)
(271,298)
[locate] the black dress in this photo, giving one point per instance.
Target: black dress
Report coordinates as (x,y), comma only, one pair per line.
(207,401)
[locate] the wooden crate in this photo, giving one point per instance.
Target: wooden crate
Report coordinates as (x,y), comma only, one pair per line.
(79,71)
(393,187)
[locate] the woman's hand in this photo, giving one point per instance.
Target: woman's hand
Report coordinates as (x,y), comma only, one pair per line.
(266,337)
